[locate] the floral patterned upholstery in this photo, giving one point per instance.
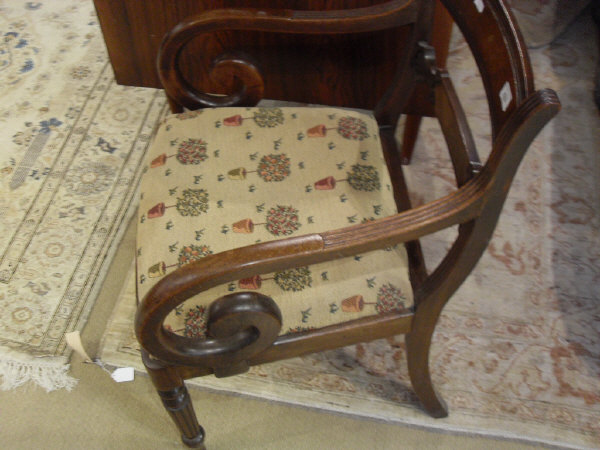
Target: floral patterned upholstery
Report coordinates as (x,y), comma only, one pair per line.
(225,178)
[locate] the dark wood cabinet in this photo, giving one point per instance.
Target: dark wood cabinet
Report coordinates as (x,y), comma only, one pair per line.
(133,31)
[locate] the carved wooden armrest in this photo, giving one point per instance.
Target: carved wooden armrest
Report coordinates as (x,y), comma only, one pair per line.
(251,84)
(241,325)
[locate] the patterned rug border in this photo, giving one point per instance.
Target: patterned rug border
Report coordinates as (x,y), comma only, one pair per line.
(74,141)
(128,210)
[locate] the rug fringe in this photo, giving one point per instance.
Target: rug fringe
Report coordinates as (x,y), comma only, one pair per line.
(48,373)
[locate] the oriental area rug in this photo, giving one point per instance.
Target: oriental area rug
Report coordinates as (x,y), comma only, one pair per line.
(517,351)
(71,143)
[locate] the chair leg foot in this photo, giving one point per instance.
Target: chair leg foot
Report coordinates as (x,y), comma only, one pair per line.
(176,399)
(178,404)
(197,442)
(417,355)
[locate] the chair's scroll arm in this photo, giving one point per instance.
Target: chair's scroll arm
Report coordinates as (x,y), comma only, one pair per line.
(372,18)
(213,270)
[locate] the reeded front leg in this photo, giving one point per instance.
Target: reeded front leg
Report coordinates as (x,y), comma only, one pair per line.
(176,400)
(178,404)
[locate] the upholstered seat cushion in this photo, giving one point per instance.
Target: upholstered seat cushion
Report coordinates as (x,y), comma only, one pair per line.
(223,178)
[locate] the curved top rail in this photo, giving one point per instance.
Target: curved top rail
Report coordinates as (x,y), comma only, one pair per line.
(393,13)
(357,20)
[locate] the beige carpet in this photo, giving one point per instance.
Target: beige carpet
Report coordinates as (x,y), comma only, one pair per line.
(516,351)
(72,142)
(101,414)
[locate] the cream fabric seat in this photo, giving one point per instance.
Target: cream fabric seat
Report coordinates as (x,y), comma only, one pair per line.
(224,178)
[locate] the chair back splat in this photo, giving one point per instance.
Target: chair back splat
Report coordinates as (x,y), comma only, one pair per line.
(321,188)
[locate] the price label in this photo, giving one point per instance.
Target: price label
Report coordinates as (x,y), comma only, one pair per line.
(505,96)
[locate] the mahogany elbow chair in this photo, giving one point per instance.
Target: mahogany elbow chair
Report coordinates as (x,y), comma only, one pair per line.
(291,230)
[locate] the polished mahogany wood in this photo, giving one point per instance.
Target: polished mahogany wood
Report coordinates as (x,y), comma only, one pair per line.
(133,32)
(243,328)
(457,133)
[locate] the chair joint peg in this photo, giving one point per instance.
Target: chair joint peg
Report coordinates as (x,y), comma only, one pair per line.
(425,63)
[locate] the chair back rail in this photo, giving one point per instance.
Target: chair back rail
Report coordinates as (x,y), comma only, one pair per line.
(326,47)
(497,45)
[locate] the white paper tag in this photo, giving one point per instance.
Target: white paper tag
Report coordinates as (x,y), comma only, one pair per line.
(505,96)
(479,5)
(123,374)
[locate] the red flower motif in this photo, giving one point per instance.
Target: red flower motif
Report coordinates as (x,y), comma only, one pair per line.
(196,322)
(282,220)
(390,298)
(192,151)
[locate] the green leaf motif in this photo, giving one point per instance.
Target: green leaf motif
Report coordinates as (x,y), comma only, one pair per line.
(192,202)
(268,117)
(364,178)
(294,280)
(305,315)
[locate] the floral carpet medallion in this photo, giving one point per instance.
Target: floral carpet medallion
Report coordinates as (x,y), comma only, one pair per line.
(71,141)
(516,352)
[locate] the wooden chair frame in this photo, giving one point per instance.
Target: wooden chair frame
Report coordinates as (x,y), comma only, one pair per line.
(244,327)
